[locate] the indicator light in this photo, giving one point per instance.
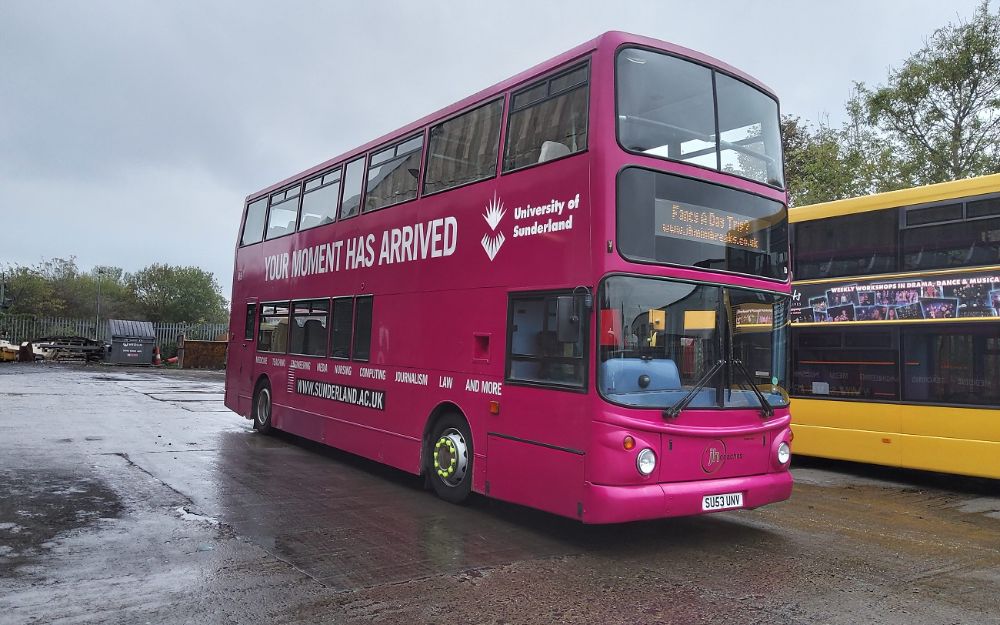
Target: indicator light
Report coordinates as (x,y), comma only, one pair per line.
(628,443)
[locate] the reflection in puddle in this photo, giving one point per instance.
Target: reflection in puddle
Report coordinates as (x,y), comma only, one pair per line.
(350,523)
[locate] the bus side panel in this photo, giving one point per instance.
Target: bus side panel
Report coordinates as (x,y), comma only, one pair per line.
(843,444)
(297,422)
(385,447)
(930,438)
(848,415)
(979,424)
(334,429)
(953,440)
(533,475)
(844,430)
(950,455)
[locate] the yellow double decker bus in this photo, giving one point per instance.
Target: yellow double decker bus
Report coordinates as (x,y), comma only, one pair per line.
(896,328)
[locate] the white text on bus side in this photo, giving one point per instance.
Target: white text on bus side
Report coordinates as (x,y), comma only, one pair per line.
(432,239)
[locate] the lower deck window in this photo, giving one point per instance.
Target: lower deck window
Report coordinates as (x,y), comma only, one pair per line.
(308,327)
(856,365)
(953,365)
(362,328)
(537,354)
(272,332)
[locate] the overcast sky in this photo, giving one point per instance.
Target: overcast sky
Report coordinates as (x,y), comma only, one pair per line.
(131,131)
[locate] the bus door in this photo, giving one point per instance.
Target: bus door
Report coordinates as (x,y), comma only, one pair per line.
(536,443)
(242,350)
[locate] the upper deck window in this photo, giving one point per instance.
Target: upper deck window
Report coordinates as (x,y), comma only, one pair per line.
(393,174)
(950,234)
(464,149)
(955,244)
(284,212)
(850,245)
(676,109)
(354,177)
(548,120)
(253,228)
(319,202)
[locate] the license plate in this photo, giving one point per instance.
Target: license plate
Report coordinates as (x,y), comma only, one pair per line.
(724,501)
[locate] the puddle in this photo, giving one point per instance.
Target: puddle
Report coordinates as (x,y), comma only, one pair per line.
(37,505)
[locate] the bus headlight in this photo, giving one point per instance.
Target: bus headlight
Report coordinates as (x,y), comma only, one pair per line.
(645,462)
(784,453)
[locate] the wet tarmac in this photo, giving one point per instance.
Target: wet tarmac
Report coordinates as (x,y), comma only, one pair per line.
(134,496)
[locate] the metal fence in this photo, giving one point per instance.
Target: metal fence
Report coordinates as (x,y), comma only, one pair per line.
(18,328)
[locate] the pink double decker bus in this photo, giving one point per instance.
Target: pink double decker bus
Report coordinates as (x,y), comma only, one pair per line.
(568,291)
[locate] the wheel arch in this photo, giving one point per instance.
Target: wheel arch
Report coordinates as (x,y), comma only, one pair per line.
(261,380)
(443,408)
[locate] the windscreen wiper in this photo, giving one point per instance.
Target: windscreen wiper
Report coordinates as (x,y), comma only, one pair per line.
(765,408)
(673,411)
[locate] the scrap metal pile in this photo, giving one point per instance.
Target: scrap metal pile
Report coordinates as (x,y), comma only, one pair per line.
(67,348)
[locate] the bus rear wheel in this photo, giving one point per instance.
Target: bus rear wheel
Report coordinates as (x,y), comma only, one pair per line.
(450,459)
(262,408)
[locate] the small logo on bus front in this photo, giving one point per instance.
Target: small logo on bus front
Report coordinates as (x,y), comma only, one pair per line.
(715,456)
(493,240)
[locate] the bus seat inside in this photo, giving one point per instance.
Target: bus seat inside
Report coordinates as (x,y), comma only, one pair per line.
(309,221)
(970,254)
(824,268)
(551,150)
(623,375)
(313,331)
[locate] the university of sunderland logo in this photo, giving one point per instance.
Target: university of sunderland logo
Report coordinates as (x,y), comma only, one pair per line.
(493,240)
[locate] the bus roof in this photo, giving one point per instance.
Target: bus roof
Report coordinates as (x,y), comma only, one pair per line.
(611,39)
(893,199)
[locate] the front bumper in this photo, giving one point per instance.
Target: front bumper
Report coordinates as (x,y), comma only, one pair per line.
(620,504)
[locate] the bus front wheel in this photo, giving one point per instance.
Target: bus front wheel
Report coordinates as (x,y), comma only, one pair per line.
(450,459)
(262,408)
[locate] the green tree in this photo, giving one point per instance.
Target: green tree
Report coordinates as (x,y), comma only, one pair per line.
(178,294)
(117,300)
(57,288)
(814,170)
(940,112)
(870,157)
(29,291)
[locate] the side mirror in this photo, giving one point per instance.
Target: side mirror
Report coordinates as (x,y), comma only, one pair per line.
(567,319)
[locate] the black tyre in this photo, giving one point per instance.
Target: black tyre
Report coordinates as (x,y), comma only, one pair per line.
(262,408)
(449,459)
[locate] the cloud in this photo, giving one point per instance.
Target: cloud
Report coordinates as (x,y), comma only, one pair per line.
(130,132)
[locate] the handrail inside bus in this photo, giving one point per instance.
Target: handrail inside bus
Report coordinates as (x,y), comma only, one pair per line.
(693,134)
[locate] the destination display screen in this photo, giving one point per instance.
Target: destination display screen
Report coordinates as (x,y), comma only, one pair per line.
(700,223)
(667,219)
(969,295)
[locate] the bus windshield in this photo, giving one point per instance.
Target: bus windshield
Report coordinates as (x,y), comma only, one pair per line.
(672,108)
(660,338)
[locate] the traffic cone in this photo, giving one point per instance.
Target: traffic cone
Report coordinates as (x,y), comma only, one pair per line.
(156,356)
